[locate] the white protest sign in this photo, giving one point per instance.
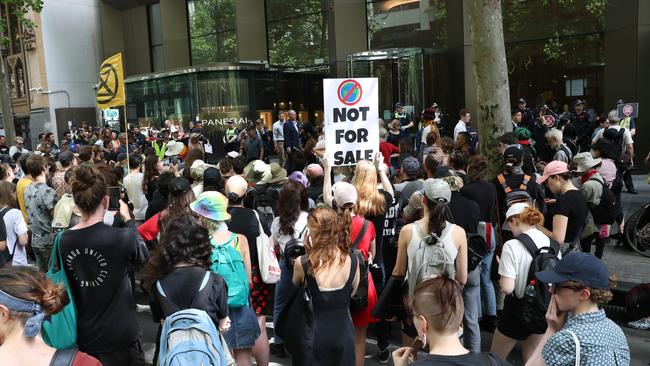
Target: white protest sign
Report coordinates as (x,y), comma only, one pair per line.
(351,120)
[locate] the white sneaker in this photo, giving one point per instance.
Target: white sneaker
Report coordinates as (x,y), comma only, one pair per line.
(643,324)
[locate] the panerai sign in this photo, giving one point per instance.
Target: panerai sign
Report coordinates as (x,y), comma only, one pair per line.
(351,120)
(225,121)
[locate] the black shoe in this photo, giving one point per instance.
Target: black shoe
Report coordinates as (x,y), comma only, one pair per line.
(277,349)
(384,355)
(632,191)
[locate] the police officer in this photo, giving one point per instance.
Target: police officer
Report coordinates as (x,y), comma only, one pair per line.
(441,120)
(404,119)
(527,115)
(580,119)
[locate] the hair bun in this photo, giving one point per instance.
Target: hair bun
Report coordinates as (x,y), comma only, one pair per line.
(55,297)
(84,178)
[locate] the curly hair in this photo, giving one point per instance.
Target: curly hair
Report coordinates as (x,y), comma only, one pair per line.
(292,199)
(598,296)
(328,244)
(183,240)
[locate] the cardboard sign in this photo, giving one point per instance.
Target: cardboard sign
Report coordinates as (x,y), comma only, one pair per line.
(351,120)
(628,110)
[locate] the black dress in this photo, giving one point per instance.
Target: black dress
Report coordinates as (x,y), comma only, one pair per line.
(333,328)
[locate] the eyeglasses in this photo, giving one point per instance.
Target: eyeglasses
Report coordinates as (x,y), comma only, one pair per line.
(556,287)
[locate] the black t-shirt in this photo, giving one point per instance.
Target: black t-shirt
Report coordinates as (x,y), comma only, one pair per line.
(181,286)
(468,359)
(152,187)
(378,221)
(484,194)
(157,204)
(243,221)
(514,181)
(96,260)
(573,205)
(315,191)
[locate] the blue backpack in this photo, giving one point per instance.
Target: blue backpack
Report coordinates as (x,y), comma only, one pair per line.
(189,336)
(228,262)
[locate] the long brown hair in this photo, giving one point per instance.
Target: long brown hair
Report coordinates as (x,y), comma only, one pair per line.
(328,245)
(7,197)
(291,201)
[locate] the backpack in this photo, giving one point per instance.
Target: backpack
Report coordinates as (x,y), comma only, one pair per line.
(431,260)
(228,262)
(265,203)
(477,249)
(189,336)
(6,256)
(605,212)
(637,302)
(621,160)
(293,249)
(520,194)
(359,300)
(536,296)
(473,139)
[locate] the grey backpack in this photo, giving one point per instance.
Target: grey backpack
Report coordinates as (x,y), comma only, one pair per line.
(430,260)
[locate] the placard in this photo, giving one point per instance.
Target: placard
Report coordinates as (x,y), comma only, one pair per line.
(351,122)
(628,110)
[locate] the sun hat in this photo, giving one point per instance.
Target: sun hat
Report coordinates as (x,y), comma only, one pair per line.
(579,267)
(257,171)
(278,174)
(437,190)
(237,185)
(212,205)
(344,193)
(585,161)
(300,178)
(174,148)
(553,168)
(516,209)
(197,169)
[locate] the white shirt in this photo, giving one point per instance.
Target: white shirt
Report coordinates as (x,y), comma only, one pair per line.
(460,127)
(15,226)
(425,133)
(627,136)
(515,259)
(278,132)
(298,226)
(14,149)
(133,185)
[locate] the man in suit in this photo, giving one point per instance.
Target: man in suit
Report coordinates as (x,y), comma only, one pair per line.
(291,129)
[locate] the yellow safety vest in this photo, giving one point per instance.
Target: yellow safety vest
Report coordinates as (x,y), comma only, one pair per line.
(159,151)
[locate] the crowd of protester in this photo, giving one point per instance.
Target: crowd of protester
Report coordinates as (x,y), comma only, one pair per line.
(419,239)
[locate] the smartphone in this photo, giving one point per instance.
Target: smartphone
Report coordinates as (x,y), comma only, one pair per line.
(113,198)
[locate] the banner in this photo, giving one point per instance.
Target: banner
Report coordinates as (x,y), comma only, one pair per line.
(110,92)
(351,120)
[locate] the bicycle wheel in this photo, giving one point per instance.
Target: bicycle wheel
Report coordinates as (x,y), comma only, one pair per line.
(630,232)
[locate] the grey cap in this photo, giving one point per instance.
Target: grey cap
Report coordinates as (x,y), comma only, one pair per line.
(437,190)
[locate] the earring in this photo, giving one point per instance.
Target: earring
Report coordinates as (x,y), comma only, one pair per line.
(424,340)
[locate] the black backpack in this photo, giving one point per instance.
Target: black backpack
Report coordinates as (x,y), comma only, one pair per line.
(265,202)
(637,302)
(6,256)
(536,295)
(605,212)
(359,300)
(518,195)
(477,249)
(294,248)
(621,160)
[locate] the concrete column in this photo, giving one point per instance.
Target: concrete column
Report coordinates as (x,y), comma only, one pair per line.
(347,32)
(176,43)
(251,30)
(627,54)
(137,56)
(112,29)
(462,85)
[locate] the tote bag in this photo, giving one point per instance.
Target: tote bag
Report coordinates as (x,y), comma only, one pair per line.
(60,331)
(269,266)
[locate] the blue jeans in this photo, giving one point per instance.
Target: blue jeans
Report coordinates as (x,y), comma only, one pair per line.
(471,331)
(487,287)
(283,291)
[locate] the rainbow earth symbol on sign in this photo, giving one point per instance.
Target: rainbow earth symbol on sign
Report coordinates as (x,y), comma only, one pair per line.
(350,92)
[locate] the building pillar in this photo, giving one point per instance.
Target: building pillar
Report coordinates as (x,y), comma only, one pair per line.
(176,43)
(251,30)
(627,54)
(462,84)
(347,31)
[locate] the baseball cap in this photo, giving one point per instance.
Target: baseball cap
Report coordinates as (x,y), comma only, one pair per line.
(211,176)
(579,102)
(516,209)
(344,193)
(521,100)
(398,104)
(513,152)
(237,185)
(553,168)
(437,190)
(435,105)
(179,186)
(411,166)
(579,267)
(314,171)
(212,205)
(300,178)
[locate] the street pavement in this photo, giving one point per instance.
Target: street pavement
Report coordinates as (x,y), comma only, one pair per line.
(629,267)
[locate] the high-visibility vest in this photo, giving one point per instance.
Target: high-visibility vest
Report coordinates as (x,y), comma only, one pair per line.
(159,151)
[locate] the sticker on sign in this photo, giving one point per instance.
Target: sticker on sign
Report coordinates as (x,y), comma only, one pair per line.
(112,114)
(351,120)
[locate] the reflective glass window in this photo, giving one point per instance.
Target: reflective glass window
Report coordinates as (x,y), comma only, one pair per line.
(213,34)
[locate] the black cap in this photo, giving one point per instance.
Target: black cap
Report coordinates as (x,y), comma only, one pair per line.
(398,104)
(211,176)
(579,102)
(178,186)
(583,268)
(435,105)
(513,152)
(521,100)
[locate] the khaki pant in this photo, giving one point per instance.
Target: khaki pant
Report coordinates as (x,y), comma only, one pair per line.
(279,148)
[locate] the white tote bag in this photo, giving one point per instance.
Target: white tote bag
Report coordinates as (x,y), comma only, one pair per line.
(269,266)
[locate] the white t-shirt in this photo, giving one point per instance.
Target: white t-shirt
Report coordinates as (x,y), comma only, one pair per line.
(627,135)
(15,226)
(278,132)
(515,259)
(425,133)
(460,127)
(133,185)
(282,239)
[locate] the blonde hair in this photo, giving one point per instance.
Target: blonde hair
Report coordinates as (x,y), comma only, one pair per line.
(370,202)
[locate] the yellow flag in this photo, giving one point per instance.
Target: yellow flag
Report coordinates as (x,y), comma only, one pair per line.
(110,92)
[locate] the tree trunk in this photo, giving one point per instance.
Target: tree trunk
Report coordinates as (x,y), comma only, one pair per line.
(491,75)
(7,113)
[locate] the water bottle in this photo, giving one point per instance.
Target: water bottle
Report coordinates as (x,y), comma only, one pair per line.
(530,289)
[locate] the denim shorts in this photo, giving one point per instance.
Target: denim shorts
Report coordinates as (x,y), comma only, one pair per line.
(244,329)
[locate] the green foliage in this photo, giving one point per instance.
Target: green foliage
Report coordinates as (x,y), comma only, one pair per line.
(213,31)
(20,8)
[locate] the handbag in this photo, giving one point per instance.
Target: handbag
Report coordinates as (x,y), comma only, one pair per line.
(296,323)
(268,261)
(60,331)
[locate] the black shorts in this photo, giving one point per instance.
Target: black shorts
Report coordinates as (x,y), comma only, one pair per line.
(511,323)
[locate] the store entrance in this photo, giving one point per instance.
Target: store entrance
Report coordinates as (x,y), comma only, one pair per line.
(401,76)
